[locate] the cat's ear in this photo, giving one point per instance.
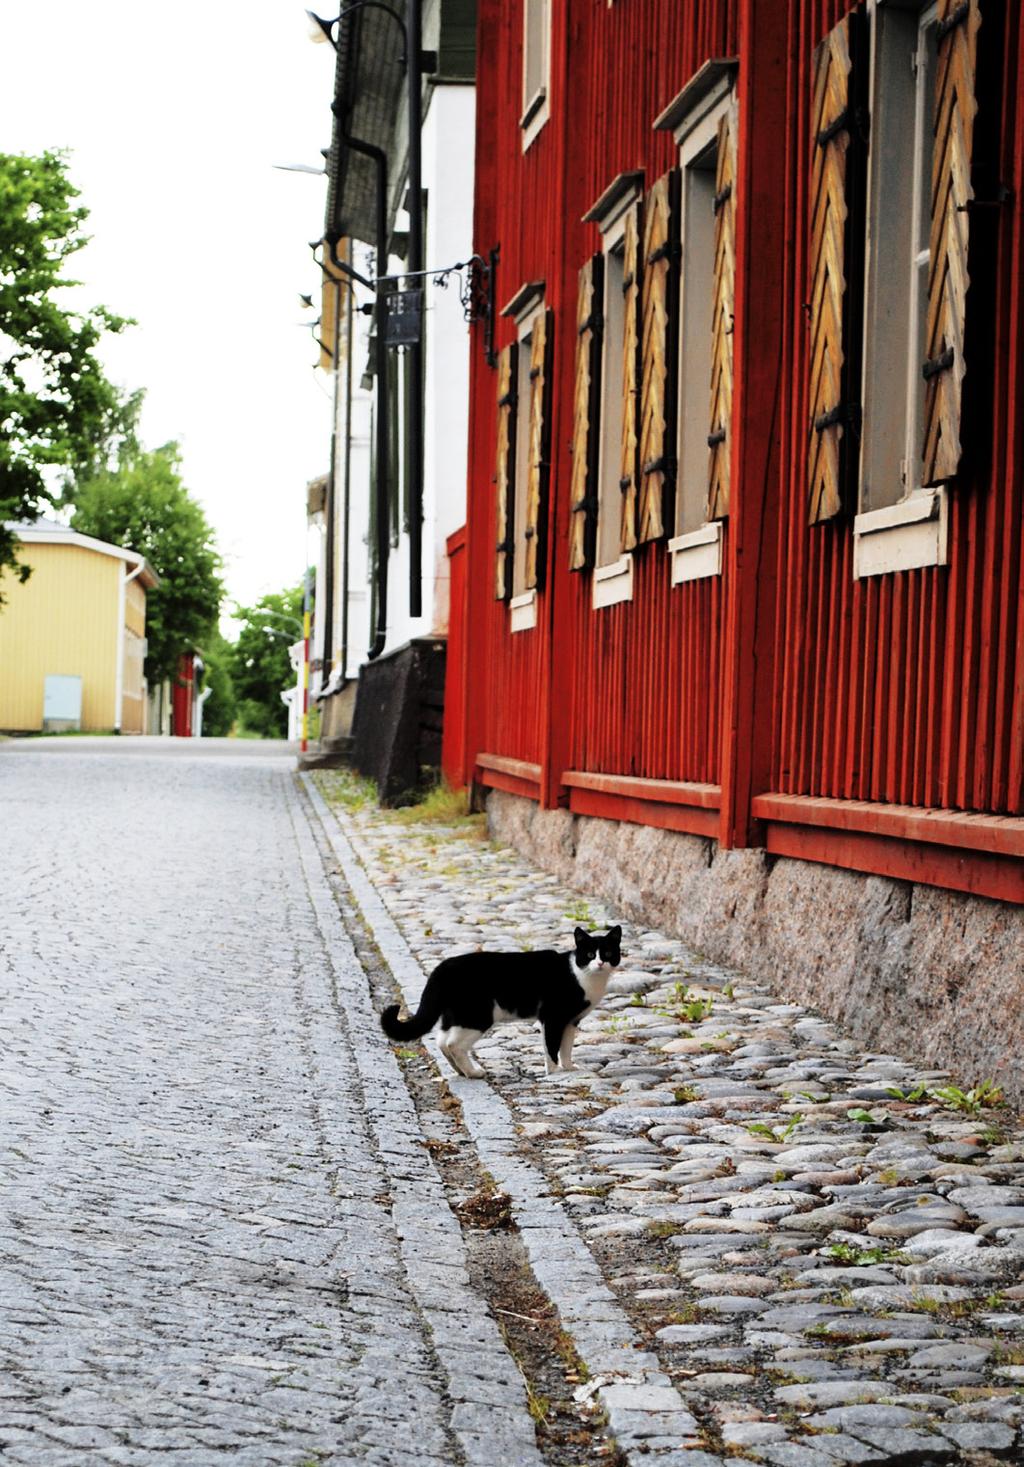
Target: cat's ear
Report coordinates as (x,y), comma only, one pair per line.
(615,933)
(582,936)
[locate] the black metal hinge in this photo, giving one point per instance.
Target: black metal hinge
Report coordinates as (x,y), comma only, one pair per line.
(958,16)
(941,363)
(838,125)
(842,413)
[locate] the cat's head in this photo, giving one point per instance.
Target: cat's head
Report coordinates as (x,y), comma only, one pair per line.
(596,950)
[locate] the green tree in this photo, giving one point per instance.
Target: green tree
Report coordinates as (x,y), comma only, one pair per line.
(143,504)
(57,408)
(262,667)
(221,708)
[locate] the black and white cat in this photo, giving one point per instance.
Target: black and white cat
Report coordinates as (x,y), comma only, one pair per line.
(471,993)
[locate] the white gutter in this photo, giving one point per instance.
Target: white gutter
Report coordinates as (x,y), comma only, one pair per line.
(119,670)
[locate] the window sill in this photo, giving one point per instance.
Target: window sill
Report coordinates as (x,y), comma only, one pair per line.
(613,583)
(698,554)
(523,612)
(535,115)
(903,536)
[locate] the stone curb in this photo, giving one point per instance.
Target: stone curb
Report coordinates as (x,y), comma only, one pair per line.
(646,1414)
(466,1339)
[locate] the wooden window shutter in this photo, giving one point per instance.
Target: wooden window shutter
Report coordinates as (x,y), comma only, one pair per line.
(836,264)
(723,317)
(629,462)
(505,472)
(659,326)
(330,303)
(538,466)
(948,280)
(586,415)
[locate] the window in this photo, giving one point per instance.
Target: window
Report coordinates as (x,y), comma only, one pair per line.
(526,331)
(536,67)
(523,456)
(703,120)
(605,429)
(902,523)
(617,214)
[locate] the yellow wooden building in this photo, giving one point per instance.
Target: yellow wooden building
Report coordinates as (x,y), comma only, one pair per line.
(73,636)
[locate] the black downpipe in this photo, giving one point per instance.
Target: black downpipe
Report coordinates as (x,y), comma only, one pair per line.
(346,493)
(329,555)
(414,65)
(347,496)
(383,546)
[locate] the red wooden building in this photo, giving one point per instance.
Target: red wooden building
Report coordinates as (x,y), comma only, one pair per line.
(743,549)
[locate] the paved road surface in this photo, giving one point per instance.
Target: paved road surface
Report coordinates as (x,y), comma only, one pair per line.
(197,1254)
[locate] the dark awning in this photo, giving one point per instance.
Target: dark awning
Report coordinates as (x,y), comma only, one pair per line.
(368,85)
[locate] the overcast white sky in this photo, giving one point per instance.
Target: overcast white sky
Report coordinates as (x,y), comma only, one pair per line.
(174,113)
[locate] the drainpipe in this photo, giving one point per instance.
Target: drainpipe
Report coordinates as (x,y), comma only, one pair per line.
(325,593)
(380,578)
(414,69)
(119,669)
(347,498)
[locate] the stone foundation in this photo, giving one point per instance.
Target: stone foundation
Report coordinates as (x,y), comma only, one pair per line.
(905,968)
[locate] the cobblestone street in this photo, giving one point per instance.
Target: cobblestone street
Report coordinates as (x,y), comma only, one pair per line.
(211,1242)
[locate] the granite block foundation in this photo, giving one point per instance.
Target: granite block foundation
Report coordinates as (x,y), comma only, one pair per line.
(905,968)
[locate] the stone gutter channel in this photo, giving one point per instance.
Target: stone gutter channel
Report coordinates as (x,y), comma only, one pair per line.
(819,1341)
(645,1411)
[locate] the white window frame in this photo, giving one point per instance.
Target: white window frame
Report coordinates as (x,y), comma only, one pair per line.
(536,46)
(901,524)
(612,581)
(695,552)
(523,602)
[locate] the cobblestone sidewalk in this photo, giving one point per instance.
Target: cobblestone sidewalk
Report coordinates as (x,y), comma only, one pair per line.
(820,1251)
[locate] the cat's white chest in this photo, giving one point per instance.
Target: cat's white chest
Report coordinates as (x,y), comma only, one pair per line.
(594,982)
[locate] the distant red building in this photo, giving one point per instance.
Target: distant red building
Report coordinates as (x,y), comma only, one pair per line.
(743,552)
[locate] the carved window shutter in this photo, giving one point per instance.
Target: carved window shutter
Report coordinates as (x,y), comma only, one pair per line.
(660,322)
(505,472)
(629,462)
(586,419)
(837,232)
(538,467)
(719,438)
(955,109)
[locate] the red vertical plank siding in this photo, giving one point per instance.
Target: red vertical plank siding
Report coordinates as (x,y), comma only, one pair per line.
(749,551)
(784,674)
(453,744)
(633,688)
(906,688)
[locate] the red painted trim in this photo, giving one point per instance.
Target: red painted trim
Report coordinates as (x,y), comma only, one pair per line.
(976,872)
(690,819)
(517,768)
(658,791)
(998,835)
(456,541)
(515,776)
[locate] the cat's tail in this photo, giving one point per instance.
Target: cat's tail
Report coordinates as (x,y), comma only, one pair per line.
(420,1023)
